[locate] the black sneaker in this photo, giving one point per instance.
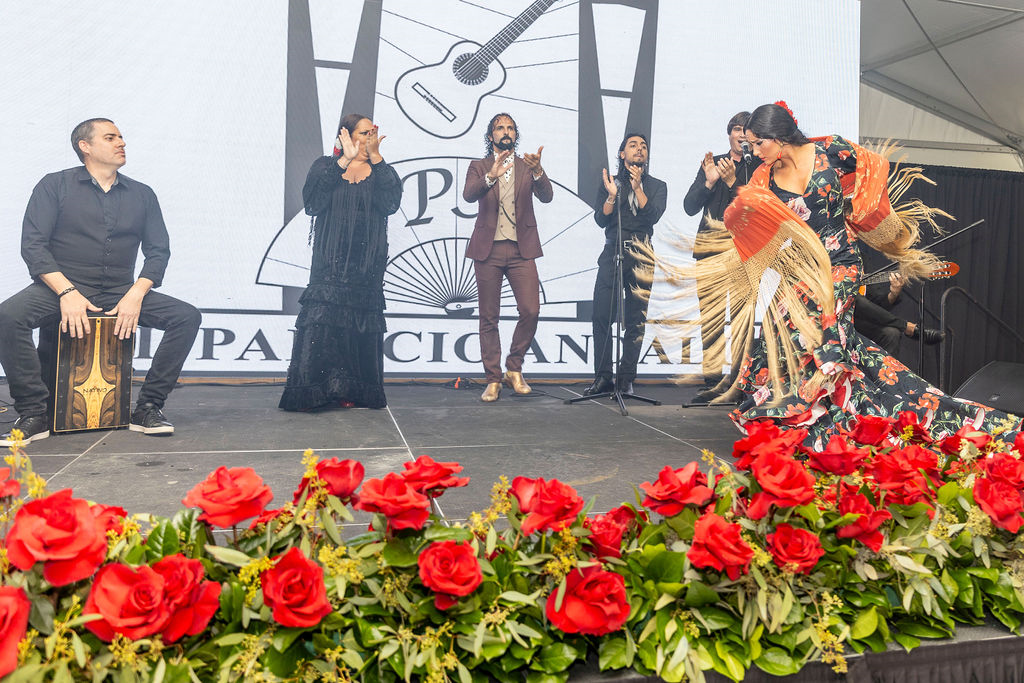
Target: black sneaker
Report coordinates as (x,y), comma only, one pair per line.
(32,428)
(148,419)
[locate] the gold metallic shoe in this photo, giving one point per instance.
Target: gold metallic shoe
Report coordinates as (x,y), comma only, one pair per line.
(491,393)
(516,382)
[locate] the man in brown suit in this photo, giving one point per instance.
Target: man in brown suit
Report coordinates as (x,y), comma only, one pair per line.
(504,244)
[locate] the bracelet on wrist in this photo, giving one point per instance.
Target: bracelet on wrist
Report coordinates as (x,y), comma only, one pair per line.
(67,291)
(610,200)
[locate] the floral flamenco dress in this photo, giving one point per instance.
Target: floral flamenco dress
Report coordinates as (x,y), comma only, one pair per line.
(798,255)
(337,353)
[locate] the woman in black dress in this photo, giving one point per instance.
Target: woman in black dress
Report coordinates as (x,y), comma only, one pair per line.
(337,357)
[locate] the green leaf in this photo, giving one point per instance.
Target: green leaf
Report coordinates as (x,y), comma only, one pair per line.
(948,493)
(715,618)
(666,567)
(866,623)
(777,662)
(611,654)
(162,541)
(330,527)
(699,594)
(440,532)
(235,558)
(908,642)
(555,658)
(284,638)
(397,554)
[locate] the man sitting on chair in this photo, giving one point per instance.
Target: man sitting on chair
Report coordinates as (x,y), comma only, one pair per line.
(80,238)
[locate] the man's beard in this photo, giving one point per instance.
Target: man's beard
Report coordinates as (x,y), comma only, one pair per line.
(504,143)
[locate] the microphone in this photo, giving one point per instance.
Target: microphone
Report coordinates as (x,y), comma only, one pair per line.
(745,146)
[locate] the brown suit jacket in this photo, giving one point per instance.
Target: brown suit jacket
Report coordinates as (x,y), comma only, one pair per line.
(476,190)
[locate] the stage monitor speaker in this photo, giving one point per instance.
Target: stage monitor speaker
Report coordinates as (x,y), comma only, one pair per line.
(998,385)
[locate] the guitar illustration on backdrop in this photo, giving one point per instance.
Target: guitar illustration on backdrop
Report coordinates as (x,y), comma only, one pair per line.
(443,99)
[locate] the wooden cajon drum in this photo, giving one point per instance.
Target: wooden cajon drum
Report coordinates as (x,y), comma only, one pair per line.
(93,388)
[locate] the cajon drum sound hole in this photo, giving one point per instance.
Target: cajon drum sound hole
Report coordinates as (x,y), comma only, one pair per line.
(94,379)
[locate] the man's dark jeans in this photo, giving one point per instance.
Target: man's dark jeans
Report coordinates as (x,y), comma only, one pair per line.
(37,306)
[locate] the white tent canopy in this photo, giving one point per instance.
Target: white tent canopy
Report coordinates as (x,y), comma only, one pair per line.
(943,78)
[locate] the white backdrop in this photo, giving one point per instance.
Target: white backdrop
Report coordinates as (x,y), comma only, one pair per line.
(201,92)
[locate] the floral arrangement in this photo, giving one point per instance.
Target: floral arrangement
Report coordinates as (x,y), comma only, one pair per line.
(784,557)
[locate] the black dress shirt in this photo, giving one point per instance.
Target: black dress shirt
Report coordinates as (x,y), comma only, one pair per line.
(72,226)
(642,223)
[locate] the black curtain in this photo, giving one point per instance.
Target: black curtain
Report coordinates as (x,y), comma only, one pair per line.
(990,259)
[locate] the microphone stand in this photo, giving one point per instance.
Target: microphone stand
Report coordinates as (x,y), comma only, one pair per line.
(620,298)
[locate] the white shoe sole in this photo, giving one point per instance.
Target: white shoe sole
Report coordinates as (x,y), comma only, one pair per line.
(35,437)
(151,431)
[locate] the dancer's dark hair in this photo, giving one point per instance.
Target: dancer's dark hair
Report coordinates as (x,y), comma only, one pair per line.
(350,121)
(772,122)
(488,143)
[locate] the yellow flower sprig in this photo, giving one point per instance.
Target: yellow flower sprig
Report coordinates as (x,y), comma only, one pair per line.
(501,503)
(249,575)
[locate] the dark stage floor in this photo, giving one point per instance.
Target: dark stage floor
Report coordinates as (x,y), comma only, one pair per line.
(588,445)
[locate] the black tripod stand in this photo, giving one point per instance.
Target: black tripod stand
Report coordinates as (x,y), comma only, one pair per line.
(620,323)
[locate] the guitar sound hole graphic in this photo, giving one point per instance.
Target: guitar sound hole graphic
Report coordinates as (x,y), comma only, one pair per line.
(435,274)
(443,99)
(469,71)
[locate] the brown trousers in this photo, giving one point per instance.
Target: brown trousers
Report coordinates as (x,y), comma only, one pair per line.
(505,261)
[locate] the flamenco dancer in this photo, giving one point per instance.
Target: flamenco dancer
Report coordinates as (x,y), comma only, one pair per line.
(785,241)
(338,352)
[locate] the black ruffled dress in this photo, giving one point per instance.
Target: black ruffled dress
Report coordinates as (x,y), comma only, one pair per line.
(339,334)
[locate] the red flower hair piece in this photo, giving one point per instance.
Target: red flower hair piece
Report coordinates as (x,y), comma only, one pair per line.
(782,103)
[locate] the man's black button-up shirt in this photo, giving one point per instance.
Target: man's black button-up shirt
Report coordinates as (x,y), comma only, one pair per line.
(72,226)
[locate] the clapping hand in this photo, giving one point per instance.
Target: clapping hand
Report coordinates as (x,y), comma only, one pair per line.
(609,185)
(727,170)
(636,174)
(349,148)
(533,161)
(710,170)
(499,161)
(373,141)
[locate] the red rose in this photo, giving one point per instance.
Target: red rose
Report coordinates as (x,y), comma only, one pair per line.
(341,478)
(229,496)
(393,497)
(865,528)
(129,600)
(839,457)
(952,443)
(62,533)
(627,516)
(762,437)
(8,487)
(449,569)
(548,505)
(675,489)
(109,517)
(784,483)
(594,603)
(432,478)
(14,610)
(1005,467)
(191,601)
(907,475)
(605,539)
(717,544)
(795,550)
(266,517)
(294,590)
(1001,502)
(910,429)
(871,430)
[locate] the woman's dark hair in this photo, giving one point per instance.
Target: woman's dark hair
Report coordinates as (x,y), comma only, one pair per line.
(622,174)
(350,121)
(488,143)
(772,122)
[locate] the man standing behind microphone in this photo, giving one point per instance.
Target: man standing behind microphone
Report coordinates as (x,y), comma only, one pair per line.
(639,199)
(505,244)
(718,179)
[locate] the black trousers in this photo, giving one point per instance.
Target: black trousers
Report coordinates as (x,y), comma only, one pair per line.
(37,306)
(606,301)
(878,324)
